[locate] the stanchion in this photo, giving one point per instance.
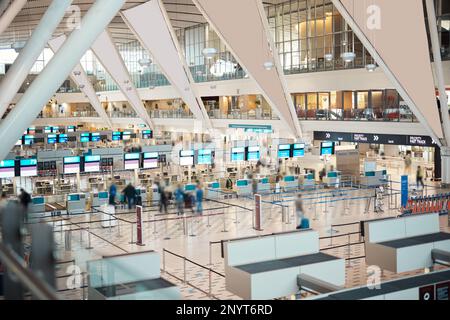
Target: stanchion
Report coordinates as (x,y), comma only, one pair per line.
(315,214)
(185,232)
(210,283)
(235,216)
(184,270)
(131,241)
(325,204)
(89,247)
(348,250)
(164,260)
(118,227)
(154,224)
(192,227)
(210,254)
(165,230)
(224,223)
(207,218)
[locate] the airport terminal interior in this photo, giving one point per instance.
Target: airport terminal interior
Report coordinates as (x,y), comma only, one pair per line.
(224,150)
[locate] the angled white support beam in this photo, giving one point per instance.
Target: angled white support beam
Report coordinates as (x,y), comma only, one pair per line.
(243,26)
(18,72)
(433,26)
(151,25)
(79,76)
(377,26)
(109,56)
(56,71)
(10,13)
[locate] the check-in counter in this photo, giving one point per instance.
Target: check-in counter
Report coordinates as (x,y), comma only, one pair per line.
(374,178)
(142,192)
(156,196)
(290,183)
(243,187)
(404,244)
(307,180)
(99,199)
(37,205)
(213,190)
(332,179)
(263,185)
(76,203)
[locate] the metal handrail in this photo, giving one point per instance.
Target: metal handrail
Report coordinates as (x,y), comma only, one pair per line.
(13,264)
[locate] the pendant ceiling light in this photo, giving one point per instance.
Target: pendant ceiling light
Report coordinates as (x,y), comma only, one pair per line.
(209,53)
(328,57)
(371,67)
(348,56)
(145,62)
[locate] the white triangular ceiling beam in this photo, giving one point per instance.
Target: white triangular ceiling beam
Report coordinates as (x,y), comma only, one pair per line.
(400,47)
(81,79)
(151,25)
(109,56)
(243,26)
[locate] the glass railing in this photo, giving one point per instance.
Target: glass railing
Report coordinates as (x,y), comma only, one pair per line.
(392,114)
(244,115)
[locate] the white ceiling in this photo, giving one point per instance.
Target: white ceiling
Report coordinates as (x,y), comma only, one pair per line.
(182,14)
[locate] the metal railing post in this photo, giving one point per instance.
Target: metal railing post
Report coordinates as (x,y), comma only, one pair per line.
(184,269)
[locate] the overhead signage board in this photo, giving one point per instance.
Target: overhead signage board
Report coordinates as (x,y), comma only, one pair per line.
(375,138)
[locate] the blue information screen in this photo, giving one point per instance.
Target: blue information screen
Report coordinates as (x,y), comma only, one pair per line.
(116,136)
(63,138)
(326,148)
(253,154)
(95,136)
(85,137)
(204,156)
(51,139)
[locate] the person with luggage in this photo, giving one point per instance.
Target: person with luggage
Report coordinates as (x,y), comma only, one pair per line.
(130,194)
(419,177)
(199,198)
(112,194)
(301,220)
(179,199)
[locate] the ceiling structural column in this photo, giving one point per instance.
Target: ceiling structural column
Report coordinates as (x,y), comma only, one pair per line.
(109,56)
(10,13)
(164,47)
(81,79)
(18,72)
(244,28)
(433,26)
(377,26)
(57,70)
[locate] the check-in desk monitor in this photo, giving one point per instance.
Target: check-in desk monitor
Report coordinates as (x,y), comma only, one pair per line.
(186,157)
(92,163)
(132,161)
(28,167)
(150,160)
(7,169)
(71,165)
(213,191)
(189,187)
(85,137)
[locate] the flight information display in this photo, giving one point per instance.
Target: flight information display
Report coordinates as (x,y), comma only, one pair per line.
(72,165)
(253,154)
(204,156)
(28,140)
(63,138)
(71,129)
(150,160)
(284,151)
(116,136)
(326,148)
(131,161)
(95,136)
(147,134)
(7,169)
(28,167)
(92,163)
(85,137)
(238,154)
(186,157)
(298,150)
(126,135)
(52,138)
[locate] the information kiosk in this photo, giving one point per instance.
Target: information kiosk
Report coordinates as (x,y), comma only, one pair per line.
(76,203)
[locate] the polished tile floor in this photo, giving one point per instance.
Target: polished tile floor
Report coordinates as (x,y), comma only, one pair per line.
(224,219)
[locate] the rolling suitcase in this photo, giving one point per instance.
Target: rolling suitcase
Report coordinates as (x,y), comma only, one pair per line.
(304,224)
